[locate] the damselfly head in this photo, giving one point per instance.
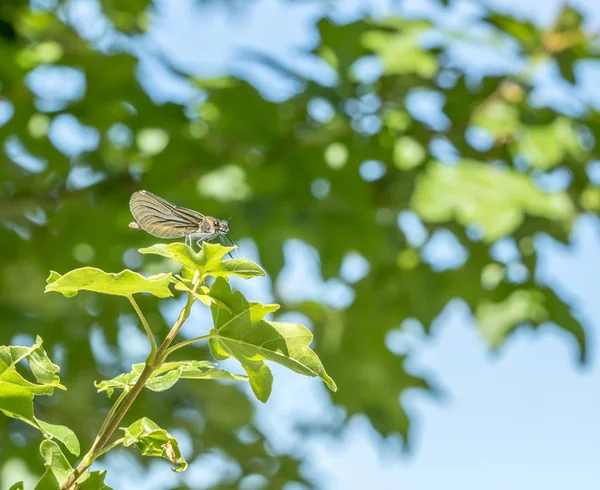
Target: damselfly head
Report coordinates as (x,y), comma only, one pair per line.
(221,226)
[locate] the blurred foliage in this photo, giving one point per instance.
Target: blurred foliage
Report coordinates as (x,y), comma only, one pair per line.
(476,168)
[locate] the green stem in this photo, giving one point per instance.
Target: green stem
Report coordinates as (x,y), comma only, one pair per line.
(179,345)
(151,365)
(111,413)
(109,447)
(146,326)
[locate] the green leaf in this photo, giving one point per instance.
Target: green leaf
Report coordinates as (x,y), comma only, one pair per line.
(17,486)
(93,480)
(239,267)
(151,440)
(401,52)
(208,261)
(58,470)
(16,392)
(202,294)
(408,153)
(497,320)
(526,33)
(547,146)
(260,377)
(243,333)
(340,46)
(41,366)
(63,434)
(179,252)
(166,376)
(57,466)
(498,117)
(124,283)
(496,199)
(569,19)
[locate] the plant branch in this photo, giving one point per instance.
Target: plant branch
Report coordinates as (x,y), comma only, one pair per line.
(109,447)
(183,316)
(179,345)
(111,413)
(152,363)
(146,326)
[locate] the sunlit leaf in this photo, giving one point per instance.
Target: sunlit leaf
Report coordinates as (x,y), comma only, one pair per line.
(547,146)
(401,52)
(93,480)
(527,33)
(58,470)
(151,440)
(61,433)
(57,466)
(498,117)
(243,333)
(340,44)
(527,306)
(208,261)
(496,321)
(202,293)
(16,392)
(495,199)
(166,376)
(124,283)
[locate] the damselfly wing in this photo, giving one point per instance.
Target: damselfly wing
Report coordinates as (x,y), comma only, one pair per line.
(162,219)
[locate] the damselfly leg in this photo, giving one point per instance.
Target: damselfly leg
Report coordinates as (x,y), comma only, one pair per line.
(231,242)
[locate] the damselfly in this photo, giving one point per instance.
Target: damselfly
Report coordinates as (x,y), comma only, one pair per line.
(162,219)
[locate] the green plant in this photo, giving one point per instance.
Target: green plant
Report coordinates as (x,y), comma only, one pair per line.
(240,331)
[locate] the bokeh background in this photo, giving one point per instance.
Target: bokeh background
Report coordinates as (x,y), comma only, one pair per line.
(419,179)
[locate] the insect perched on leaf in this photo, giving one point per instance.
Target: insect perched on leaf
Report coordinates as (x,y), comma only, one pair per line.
(162,219)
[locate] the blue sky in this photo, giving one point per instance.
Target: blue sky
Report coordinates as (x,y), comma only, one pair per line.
(523,418)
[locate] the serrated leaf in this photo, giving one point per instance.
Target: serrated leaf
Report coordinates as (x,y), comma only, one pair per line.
(167,375)
(63,434)
(123,283)
(16,392)
(243,333)
(151,440)
(208,261)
